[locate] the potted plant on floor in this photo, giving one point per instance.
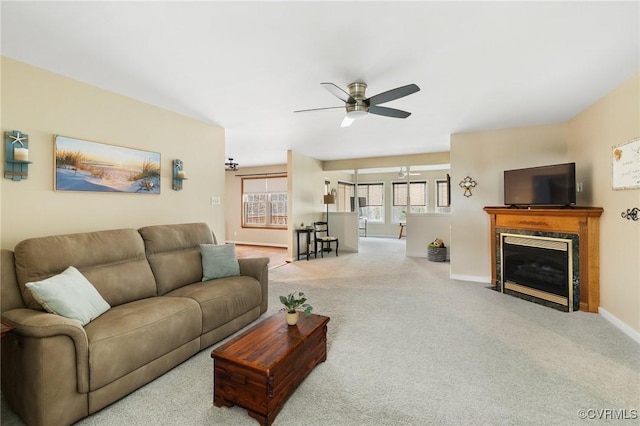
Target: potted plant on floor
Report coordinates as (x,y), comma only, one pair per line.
(292,302)
(436,251)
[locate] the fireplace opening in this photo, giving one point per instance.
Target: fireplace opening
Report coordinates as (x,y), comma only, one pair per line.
(539,267)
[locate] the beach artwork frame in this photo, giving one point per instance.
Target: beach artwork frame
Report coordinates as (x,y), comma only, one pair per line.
(86,166)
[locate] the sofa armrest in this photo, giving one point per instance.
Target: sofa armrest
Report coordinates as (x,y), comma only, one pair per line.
(37,324)
(257,267)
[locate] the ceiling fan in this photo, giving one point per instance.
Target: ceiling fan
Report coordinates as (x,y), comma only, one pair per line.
(403,173)
(231,165)
(358,105)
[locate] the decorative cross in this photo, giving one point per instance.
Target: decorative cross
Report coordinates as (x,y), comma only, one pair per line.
(467,183)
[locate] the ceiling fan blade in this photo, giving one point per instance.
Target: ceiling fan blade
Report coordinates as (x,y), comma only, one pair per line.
(392,94)
(388,112)
(346,121)
(339,93)
(318,109)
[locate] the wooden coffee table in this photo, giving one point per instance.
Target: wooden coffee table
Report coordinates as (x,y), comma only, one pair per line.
(259,369)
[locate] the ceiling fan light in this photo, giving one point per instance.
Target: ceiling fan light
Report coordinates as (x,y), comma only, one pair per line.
(346,122)
(357,110)
(354,115)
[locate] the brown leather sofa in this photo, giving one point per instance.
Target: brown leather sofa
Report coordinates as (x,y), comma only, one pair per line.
(55,371)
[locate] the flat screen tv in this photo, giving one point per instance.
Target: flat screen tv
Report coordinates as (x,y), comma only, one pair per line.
(553,185)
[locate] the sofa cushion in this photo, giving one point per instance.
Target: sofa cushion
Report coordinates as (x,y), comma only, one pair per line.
(223,299)
(113,261)
(173,252)
(219,261)
(130,336)
(69,294)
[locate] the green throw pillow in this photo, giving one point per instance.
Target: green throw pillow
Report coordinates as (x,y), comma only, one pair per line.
(219,261)
(69,294)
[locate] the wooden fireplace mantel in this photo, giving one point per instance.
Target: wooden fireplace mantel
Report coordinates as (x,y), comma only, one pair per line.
(583,221)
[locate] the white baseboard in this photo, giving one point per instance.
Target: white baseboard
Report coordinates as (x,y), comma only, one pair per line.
(635,335)
(474,278)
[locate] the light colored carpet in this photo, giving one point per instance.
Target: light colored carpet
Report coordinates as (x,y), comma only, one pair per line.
(409,346)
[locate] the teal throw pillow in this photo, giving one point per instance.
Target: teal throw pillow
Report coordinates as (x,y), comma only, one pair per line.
(219,261)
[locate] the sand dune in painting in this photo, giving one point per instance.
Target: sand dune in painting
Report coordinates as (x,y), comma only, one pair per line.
(81,180)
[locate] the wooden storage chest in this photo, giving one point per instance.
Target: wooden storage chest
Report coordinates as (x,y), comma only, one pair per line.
(259,369)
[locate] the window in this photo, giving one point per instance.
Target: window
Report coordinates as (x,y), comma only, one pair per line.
(373,194)
(345,194)
(418,196)
(264,202)
(442,195)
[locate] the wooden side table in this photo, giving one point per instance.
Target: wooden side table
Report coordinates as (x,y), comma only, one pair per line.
(6,327)
(307,250)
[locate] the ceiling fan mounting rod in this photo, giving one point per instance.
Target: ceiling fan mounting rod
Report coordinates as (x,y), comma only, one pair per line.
(359,108)
(356,90)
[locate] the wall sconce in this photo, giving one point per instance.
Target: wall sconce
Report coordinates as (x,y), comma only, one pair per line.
(16,166)
(467,183)
(178,175)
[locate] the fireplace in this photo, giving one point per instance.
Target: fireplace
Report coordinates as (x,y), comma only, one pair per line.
(538,268)
(579,224)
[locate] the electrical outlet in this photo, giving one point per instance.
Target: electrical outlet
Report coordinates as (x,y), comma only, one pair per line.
(579,187)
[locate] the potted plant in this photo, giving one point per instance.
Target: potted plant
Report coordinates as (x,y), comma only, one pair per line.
(292,302)
(437,252)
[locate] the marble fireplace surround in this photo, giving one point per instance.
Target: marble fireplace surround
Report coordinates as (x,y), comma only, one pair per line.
(579,224)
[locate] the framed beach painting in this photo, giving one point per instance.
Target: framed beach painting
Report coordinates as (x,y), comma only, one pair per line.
(82,165)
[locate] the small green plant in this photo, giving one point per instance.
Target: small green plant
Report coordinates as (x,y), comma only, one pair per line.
(294,301)
(437,243)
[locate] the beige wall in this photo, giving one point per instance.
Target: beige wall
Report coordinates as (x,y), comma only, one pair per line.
(484,156)
(233,210)
(41,104)
(306,188)
(612,120)
(424,228)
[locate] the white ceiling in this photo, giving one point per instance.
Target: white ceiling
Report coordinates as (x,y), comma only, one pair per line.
(247,66)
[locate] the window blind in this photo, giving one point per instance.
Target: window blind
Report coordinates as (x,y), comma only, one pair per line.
(268,185)
(373,192)
(417,190)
